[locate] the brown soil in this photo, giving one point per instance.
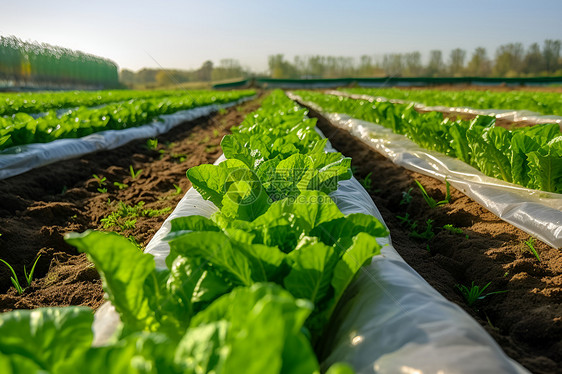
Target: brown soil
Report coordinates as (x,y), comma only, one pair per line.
(527,319)
(37,208)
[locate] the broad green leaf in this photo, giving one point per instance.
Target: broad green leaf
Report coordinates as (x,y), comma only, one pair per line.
(213,181)
(124,271)
(15,364)
(138,353)
(217,249)
(521,146)
(342,230)
(311,272)
(203,349)
(546,171)
(238,304)
(245,198)
(363,248)
(46,337)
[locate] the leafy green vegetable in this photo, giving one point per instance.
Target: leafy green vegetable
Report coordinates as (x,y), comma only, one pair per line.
(530,156)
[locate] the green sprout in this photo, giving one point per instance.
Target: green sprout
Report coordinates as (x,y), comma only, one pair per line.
(134,174)
(475,293)
(405,220)
(431,201)
(179,157)
(152,144)
(125,216)
(531,244)
(367,183)
(28,277)
(454,230)
(101,181)
(406,197)
(121,186)
(102,190)
(178,189)
(428,234)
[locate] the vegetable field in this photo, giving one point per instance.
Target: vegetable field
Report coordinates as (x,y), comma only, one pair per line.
(259,267)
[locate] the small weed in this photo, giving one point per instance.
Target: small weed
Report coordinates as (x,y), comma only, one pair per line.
(125,216)
(28,277)
(180,157)
(216,133)
(101,181)
(367,183)
(134,174)
(121,186)
(222,111)
(531,245)
(64,189)
(475,293)
(102,190)
(405,220)
(178,189)
(205,139)
(428,234)
(354,169)
(152,144)
(211,148)
(431,201)
(454,230)
(406,197)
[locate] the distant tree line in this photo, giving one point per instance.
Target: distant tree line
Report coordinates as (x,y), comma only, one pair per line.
(510,60)
(227,69)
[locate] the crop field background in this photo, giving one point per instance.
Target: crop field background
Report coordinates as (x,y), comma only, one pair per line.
(281,188)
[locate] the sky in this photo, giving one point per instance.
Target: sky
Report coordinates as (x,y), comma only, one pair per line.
(183,34)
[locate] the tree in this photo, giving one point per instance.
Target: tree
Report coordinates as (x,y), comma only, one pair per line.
(279,68)
(205,72)
(435,65)
(413,64)
(551,53)
(228,68)
(479,64)
(163,78)
(533,63)
(509,60)
(456,65)
(393,64)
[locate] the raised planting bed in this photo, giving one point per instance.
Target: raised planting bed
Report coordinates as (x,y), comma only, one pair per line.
(460,242)
(37,208)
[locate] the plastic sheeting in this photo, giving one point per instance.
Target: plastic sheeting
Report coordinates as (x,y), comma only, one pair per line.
(18,160)
(507,114)
(538,213)
(390,319)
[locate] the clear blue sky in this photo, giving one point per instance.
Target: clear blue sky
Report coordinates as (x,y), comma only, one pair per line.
(183,34)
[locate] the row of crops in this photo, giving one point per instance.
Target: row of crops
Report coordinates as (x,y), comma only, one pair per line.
(27,102)
(249,290)
(529,156)
(547,103)
(29,62)
(139,108)
(253,287)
